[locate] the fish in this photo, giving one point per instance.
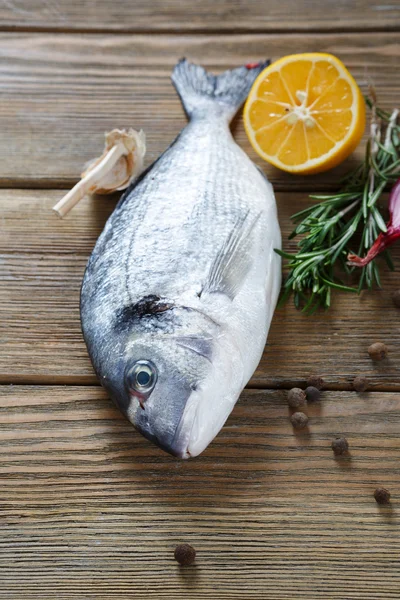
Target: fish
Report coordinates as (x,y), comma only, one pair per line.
(180,289)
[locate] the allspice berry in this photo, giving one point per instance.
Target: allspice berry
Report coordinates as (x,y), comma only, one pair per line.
(185,554)
(396,298)
(340,446)
(296,397)
(315,381)
(299,420)
(378,351)
(360,384)
(382,495)
(312,394)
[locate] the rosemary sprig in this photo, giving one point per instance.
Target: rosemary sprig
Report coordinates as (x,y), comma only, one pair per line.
(329,228)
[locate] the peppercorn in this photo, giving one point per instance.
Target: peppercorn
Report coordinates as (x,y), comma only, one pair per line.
(312,394)
(340,446)
(382,495)
(360,384)
(378,351)
(396,298)
(299,420)
(315,381)
(185,554)
(296,397)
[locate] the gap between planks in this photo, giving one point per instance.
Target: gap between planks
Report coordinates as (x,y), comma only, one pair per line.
(49,184)
(65,184)
(15,183)
(88,381)
(211,30)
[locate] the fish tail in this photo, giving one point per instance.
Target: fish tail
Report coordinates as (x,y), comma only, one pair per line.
(202,93)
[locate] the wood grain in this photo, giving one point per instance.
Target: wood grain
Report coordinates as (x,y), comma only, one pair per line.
(173,16)
(60,93)
(42,260)
(89,509)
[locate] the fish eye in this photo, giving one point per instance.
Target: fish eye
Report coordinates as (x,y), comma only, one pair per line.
(141,377)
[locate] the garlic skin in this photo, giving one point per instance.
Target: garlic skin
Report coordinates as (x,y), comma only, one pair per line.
(128,166)
(121,162)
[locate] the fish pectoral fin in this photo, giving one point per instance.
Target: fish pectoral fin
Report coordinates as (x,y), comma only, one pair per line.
(234,259)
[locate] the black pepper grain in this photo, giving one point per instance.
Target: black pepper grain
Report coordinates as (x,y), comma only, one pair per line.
(382,495)
(360,384)
(340,446)
(312,394)
(296,397)
(315,381)
(185,554)
(396,298)
(299,420)
(378,351)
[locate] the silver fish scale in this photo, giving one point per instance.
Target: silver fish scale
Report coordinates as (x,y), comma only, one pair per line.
(169,228)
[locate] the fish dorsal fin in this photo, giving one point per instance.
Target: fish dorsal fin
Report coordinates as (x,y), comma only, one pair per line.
(233,261)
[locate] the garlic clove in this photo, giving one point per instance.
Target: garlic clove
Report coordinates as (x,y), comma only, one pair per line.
(121,162)
(128,166)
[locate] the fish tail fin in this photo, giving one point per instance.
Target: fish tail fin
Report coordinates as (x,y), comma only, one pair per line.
(202,92)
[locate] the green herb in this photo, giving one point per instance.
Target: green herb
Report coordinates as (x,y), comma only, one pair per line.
(329,227)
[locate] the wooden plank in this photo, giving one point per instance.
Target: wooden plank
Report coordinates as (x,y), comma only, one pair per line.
(173,16)
(42,260)
(59,93)
(89,509)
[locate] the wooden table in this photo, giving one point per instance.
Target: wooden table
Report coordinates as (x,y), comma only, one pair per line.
(91,510)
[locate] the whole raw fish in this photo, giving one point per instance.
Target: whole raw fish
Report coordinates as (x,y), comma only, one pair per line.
(180,289)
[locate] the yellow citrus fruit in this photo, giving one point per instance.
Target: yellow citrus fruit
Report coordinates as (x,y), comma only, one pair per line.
(305,113)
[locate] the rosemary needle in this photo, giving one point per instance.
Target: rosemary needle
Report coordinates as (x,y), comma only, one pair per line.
(330,227)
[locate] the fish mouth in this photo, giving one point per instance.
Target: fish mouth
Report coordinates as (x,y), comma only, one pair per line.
(175,442)
(177,449)
(181,441)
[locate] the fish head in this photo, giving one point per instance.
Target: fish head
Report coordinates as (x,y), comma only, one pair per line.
(160,377)
(179,391)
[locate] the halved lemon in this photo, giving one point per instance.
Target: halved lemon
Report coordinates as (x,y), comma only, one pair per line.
(305,113)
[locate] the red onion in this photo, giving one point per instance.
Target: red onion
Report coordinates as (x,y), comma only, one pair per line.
(384,239)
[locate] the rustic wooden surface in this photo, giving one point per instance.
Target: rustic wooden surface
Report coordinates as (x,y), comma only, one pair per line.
(231,16)
(91,510)
(42,260)
(88,508)
(60,93)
